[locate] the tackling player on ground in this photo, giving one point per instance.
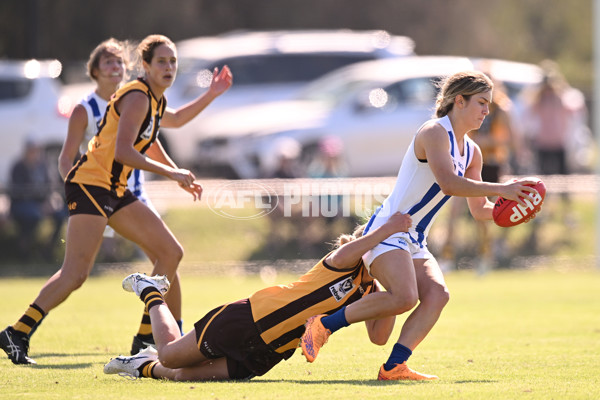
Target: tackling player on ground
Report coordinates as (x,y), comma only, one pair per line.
(247,338)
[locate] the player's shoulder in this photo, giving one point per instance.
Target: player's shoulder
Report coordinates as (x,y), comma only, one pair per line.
(431,133)
(80,112)
(432,127)
(135,86)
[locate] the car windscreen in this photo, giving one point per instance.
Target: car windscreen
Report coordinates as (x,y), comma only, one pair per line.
(14,88)
(282,68)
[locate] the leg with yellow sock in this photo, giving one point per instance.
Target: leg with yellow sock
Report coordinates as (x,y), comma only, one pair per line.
(14,340)
(83,241)
(144,336)
(162,249)
(151,291)
(180,354)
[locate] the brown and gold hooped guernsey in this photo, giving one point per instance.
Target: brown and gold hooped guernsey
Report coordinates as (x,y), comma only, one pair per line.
(280,312)
(98,166)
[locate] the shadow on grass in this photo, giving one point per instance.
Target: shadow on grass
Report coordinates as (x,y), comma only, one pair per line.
(82,365)
(373,382)
(63,366)
(358,382)
(55,355)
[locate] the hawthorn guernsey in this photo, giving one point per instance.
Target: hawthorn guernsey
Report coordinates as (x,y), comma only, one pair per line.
(509,213)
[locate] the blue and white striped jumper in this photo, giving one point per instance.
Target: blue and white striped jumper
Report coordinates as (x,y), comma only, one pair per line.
(417,193)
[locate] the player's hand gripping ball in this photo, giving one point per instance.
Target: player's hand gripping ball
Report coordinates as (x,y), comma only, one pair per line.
(509,213)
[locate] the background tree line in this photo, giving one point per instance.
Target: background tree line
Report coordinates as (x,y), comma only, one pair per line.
(520,30)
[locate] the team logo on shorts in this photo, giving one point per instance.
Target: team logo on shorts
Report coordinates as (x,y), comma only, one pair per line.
(207,348)
(72,205)
(339,290)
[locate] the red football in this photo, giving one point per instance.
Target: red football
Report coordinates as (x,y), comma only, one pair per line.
(508,213)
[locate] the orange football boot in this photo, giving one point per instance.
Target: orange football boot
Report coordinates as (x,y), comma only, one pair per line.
(401,372)
(315,336)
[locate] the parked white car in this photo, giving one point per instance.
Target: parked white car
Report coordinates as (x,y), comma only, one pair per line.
(30,109)
(266,66)
(374,107)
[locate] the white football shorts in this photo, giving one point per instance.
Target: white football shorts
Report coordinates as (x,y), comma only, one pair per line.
(398,241)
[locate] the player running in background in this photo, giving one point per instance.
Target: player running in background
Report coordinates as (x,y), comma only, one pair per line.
(96,187)
(107,67)
(247,338)
(442,161)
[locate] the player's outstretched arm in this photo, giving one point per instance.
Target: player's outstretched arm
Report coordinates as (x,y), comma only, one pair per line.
(350,253)
(221,82)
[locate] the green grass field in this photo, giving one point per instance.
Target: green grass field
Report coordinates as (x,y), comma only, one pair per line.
(518,334)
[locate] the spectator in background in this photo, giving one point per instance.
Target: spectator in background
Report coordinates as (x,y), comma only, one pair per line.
(551,124)
(328,162)
(32,198)
(549,127)
(286,154)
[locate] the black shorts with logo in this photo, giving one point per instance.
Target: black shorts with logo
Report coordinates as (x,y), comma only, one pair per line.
(95,200)
(229,331)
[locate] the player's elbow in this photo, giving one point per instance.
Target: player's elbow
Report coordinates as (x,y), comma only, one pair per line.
(447,188)
(173,120)
(447,184)
(120,155)
(123,154)
(338,260)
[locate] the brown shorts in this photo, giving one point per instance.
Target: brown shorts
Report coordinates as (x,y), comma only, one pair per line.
(88,199)
(229,331)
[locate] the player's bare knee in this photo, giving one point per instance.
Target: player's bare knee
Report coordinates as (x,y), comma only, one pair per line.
(172,254)
(437,297)
(404,302)
(74,280)
(176,252)
(379,339)
(169,361)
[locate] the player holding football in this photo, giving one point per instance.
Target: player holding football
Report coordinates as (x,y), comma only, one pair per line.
(247,338)
(442,161)
(96,187)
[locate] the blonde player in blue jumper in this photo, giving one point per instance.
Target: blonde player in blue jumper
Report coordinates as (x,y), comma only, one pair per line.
(442,161)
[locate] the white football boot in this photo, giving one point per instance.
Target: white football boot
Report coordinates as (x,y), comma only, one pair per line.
(137,282)
(129,366)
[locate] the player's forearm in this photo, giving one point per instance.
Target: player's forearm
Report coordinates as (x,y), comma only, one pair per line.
(350,253)
(465,187)
(186,113)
